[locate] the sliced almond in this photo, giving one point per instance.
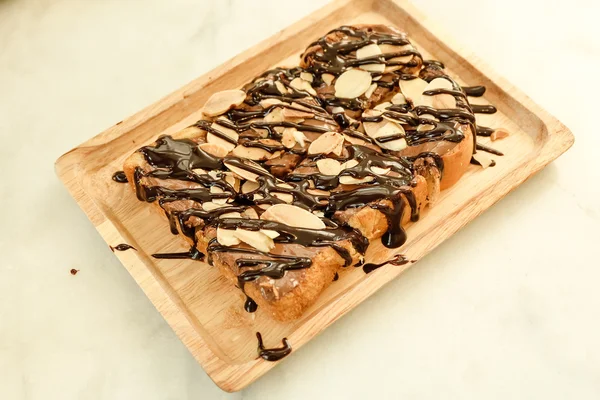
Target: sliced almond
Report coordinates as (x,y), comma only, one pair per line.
(318,192)
(413,89)
(270,233)
(210,206)
(214,149)
(382,106)
(266,103)
(199,171)
(232,214)
(302,85)
(249,186)
(275,115)
(300,137)
(256,239)
(292,216)
(352,84)
(369,51)
(251,153)
(349,164)
(289,114)
(499,134)
(355,140)
(287,137)
(244,173)
(287,197)
(222,102)
(350,180)
(328,142)
(380,171)
(282,89)
(250,213)
(230,133)
(483,159)
(307,76)
(232,181)
(327,78)
(442,100)
(226,237)
(390,48)
(398,99)
(276,154)
(370,90)
(329,166)
(218,190)
(386,128)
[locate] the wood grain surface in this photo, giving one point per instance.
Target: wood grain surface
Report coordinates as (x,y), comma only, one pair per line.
(205,310)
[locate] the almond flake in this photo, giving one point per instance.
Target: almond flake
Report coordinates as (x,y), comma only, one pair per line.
(251,153)
(218,190)
(329,166)
(483,159)
(352,84)
(256,239)
(292,216)
(369,51)
(300,137)
(398,99)
(289,114)
(249,186)
(349,164)
(275,115)
(222,102)
(232,181)
(302,85)
(210,206)
(327,78)
(380,171)
(370,91)
(270,233)
(244,173)
(250,213)
(282,89)
(307,76)
(266,103)
(328,142)
(350,180)
(287,137)
(390,48)
(382,106)
(230,133)
(214,149)
(232,214)
(226,237)
(413,89)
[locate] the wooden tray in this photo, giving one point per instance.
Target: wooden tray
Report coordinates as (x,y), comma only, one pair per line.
(201,307)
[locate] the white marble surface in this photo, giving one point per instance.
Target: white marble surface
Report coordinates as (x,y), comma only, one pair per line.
(507,308)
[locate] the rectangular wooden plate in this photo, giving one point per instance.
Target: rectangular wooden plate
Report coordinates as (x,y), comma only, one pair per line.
(205,310)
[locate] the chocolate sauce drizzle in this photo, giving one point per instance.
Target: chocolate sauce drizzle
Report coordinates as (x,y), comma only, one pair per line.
(258,125)
(122,247)
(274,354)
(399,259)
(120,177)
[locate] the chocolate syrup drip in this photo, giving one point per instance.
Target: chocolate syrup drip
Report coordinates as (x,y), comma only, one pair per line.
(120,177)
(484,131)
(274,354)
(250,305)
(474,91)
(397,260)
(122,247)
(336,277)
(483,109)
(489,150)
(192,254)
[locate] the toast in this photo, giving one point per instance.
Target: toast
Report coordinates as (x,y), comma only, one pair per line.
(287,180)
